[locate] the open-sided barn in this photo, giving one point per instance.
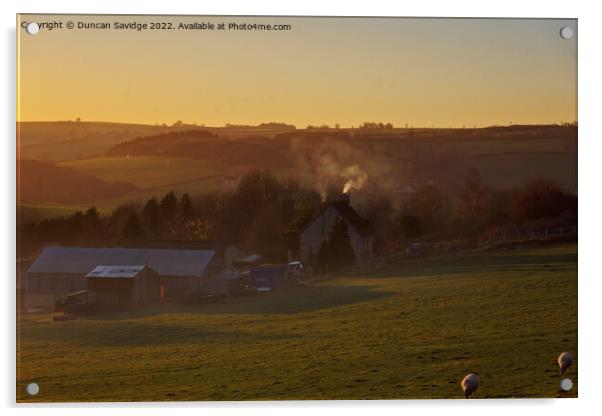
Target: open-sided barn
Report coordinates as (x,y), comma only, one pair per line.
(61,270)
(124,286)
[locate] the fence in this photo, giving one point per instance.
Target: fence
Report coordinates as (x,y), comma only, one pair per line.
(536,235)
(422,249)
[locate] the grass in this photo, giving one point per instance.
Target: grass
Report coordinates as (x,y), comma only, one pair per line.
(37,211)
(501,146)
(147,171)
(155,175)
(509,171)
(409,332)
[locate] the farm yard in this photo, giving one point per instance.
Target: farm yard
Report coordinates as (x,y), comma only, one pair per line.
(410,331)
(261,216)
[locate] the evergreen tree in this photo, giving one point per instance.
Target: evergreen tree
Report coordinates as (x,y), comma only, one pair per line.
(93,229)
(185,208)
(151,217)
(169,211)
(132,229)
(169,206)
(336,254)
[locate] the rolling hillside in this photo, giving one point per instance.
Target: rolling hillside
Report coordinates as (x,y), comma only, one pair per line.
(41,181)
(55,141)
(410,332)
(194,160)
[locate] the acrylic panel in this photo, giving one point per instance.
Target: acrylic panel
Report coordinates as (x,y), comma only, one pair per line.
(237,208)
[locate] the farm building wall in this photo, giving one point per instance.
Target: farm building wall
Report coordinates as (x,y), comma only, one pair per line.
(147,287)
(231,253)
(112,292)
(178,287)
(224,285)
(319,231)
(142,289)
(58,284)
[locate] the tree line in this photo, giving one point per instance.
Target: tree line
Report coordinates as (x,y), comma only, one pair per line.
(264,215)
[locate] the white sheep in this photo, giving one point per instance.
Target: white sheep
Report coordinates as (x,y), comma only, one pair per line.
(470,384)
(565,360)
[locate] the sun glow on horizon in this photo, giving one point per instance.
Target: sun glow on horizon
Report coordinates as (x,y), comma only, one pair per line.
(324,71)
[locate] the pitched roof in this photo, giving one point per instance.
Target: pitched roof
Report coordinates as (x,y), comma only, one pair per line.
(351,215)
(218,246)
(84,260)
(126,272)
(345,210)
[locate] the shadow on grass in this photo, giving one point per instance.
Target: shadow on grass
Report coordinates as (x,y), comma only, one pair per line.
(282,301)
(145,333)
(129,328)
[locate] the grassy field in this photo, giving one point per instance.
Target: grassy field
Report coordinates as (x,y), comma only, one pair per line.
(538,145)
(512,170)
(37,211)
(409,332)
(155,175)
(148,171)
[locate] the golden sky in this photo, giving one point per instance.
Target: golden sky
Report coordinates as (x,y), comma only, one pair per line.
(420,72)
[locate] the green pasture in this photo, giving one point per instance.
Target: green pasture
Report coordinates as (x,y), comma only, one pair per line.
(411,331)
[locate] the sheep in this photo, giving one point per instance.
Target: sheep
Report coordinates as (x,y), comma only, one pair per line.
(470,384)
(565,360)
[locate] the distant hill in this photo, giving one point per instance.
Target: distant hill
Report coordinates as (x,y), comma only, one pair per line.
(56,141)
(505,156)
(195,159)
(259,151)
(45,182)
(68,140)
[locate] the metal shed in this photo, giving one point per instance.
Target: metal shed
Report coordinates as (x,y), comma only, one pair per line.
(124,286)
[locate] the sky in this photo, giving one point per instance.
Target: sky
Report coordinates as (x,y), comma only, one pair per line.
(407,71)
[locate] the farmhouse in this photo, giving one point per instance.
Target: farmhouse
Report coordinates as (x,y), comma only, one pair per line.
(319,228)
(61,270)
(124,286)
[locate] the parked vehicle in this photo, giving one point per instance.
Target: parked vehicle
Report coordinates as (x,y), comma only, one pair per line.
(77,303)
(295,272)
(418,249)
(199,297)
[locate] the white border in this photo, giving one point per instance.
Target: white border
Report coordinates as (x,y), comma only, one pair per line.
(590,209)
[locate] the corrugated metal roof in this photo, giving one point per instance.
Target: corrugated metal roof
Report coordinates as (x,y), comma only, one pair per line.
(127,272)
(83,260)
(218,246)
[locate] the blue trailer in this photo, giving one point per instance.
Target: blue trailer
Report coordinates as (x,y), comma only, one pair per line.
(268,277)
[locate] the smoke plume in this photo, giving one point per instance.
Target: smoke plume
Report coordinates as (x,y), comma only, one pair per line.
(330,162)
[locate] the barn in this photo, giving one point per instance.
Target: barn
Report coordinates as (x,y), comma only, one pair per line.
(225,251)
(124,286)
(62,270)
(227,283)
(319,228)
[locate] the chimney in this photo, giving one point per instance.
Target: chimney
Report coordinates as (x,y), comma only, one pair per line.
(343,197)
